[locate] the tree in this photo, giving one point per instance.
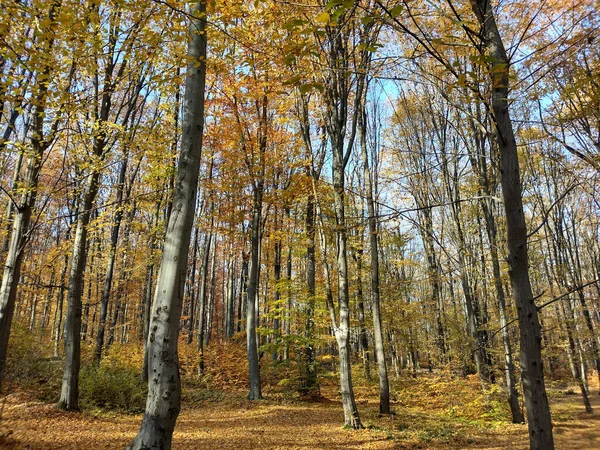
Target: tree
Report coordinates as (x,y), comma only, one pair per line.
(384,387)
(341,124)
(536,400)
(101,146)
(164,386)
(40,141)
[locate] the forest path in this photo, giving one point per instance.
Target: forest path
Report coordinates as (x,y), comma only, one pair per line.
(234,423)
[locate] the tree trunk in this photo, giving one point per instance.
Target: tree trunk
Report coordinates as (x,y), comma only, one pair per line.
(536,400)
(308,383)
(230,308)
(59,307)
(342,332)
(110,263)
(277,300)
(211,305)
(69,397)
(363,340)
(193,290)
(384,387)
(164,388)
(251,318)
(243,297)
(203,298)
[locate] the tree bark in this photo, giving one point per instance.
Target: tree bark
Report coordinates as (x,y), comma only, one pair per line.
(277,300)
(251,317)
(308,383)
(203,299)
(193,290)
(69,396)
(164,387)
(536,400)
(110,263)
(384,387)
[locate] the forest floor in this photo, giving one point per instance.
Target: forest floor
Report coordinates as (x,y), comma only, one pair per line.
(431,413)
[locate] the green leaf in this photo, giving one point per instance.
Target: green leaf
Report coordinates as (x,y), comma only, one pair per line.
(289,59)
(308,87)
(366,20)
(332,4)
(293,23)
(396,11)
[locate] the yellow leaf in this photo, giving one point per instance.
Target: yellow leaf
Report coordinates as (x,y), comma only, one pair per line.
(323,17)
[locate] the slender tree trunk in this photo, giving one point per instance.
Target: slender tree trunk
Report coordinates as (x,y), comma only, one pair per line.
(536,400)
(251,318)
(230,316)
(59,307)
(110,262)
(120,306)
(342,332)
(203,299)
(48,302)
(363,340)
(384,387)
(243,300)
(69,397)
(309,384)
(211,305)
(288,312)
(571,350)
(193,290)
(164,387)
(277,300)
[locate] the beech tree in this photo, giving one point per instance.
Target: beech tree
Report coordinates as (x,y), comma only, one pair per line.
(41,139)
(536,401)
(164,386)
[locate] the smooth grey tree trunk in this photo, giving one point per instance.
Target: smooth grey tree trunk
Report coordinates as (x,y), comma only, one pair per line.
(203,298)
(363,340)
(309,384)
(193,289)
(384,386)
(532,371)
(110,262)
(164,386)
(277,298)
(69,396)
(251,312)
(342,331)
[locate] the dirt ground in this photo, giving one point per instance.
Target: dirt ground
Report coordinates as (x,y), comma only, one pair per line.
(234,423)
